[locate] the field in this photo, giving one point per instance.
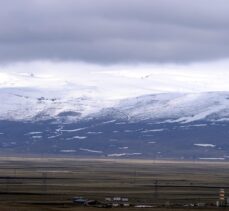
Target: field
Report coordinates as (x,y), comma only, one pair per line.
(28,184)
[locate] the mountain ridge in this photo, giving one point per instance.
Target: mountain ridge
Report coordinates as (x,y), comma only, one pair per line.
(158,126)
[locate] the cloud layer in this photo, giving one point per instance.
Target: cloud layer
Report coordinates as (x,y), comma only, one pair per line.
(114,31)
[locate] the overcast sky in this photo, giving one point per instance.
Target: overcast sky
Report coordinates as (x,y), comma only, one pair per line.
(114,31)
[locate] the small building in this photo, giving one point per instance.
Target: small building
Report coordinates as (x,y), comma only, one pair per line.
(79,201)
(115,204)
(221,194)
(108,199)
(126,204)
(200,204)
(91,202)
(117,199)
(222,199)
(125,199)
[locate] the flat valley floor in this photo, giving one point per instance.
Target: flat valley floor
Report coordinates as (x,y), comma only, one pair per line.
(37,184)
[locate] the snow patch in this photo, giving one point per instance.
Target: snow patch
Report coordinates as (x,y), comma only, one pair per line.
(94,133)
(222,120)
(36,137)
(67,150)
(123,147)
(128,131)
(73,130)
(115,131)
(153,130)
(211,158)
(51,137)
(77,137)
(205,145)
(34,133)
(90,150)
(123,154)
(107,122)
(199,125)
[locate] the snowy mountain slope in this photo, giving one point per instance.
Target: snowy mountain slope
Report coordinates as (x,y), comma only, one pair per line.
(37,104)
(112,114)
(186,107)
(171,125)
(28,104)
(42,91)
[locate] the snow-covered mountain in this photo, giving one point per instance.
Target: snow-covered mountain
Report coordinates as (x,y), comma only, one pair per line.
(178,107)
(112,114)
(33,105)
(26,104)
(171,125)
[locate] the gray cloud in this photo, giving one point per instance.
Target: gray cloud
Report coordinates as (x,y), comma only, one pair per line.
(111,31)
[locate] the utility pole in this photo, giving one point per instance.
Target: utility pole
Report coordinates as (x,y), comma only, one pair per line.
(44,181)
(156,189)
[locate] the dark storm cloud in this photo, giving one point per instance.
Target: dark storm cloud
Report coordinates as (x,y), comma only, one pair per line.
(110,31)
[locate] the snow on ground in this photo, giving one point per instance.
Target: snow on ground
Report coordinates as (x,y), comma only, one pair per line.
(211,158)
(129,131)
(107,122)
(205,145)
(77,137)
(73,130)
(198,125)
(123,154)
(202,115)
(123,148)
(120,123)
(36,137)
(33,133)
(222,120)
(94,133)
(51,137)
(67,150)
(91,150)
(153,130)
